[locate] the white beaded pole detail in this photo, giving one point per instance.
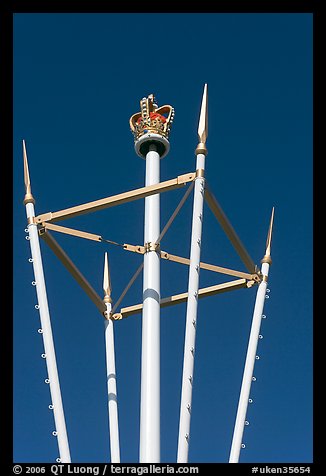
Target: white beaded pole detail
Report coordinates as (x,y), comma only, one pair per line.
(251,353)
(49,350)
(193,286)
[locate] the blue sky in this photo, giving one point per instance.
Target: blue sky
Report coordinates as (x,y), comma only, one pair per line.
(77,80)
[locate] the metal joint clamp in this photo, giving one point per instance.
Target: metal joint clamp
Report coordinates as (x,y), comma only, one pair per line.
(149,246)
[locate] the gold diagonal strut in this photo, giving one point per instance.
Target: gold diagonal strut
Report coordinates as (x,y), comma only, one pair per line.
(73,270)
(141,250)
(180,298)
(210,267)
(114,200)
(134,248)
(78,233)
(229,230)
(179,259)
(72,231)
(175,213)
(126,289)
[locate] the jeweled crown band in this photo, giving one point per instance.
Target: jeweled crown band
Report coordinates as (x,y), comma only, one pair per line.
(151,119)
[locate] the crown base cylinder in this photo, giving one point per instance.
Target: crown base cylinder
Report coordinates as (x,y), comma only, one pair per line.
(143,145)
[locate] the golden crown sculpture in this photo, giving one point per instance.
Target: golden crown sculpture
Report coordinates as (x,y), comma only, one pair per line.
(151,119)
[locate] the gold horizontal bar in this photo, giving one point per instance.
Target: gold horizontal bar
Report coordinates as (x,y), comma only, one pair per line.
(229,230)
(134,248)
(179,259)
(71,231)
(73,270)
(180,298)
(119,199)
(210,267)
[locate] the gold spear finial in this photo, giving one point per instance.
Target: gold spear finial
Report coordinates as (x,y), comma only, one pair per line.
(267,258)
(28,191)
(106,280)
(203,125)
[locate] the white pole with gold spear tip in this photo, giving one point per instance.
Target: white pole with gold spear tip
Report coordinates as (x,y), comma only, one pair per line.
(251,352)
(110,366)
(193,286)
(46,330)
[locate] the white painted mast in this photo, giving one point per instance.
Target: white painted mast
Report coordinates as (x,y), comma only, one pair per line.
(251,352)
(151,129)
(193,286)
(110,366)
(46,330)
(150,367)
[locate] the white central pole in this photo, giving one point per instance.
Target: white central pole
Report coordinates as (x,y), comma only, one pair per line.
(150,365)
(49,351)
